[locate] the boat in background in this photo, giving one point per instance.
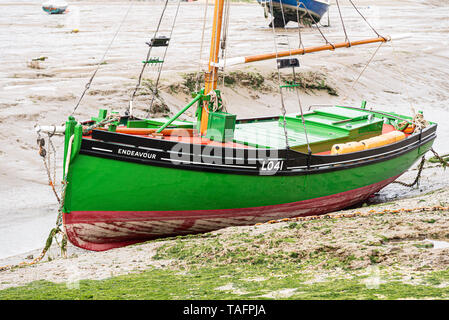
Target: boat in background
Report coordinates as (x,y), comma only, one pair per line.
(55,6)
(308,11)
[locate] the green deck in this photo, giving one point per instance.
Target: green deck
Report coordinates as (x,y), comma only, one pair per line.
(325,127)
(157,122)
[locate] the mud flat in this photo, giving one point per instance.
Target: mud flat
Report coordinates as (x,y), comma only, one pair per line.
(409,72)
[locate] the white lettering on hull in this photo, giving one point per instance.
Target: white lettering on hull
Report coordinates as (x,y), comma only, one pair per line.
(137,154)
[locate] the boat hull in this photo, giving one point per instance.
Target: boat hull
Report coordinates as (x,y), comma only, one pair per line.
(54,9)
(308,10)
(104,230)
(110,203)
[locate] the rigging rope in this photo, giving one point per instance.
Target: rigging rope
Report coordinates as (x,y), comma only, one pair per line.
(87,86)
(363,17)
(342,23)
(279,80)
(197,85)
(129,110)
(52,180)
(155,91)
(318,27)
(224,37)
(294,79)
(363,70)
(301,45)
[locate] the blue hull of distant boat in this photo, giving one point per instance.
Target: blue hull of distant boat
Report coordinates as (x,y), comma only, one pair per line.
(311,10)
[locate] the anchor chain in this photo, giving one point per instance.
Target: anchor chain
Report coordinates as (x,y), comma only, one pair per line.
(419,123)
(418,176)
(443,162)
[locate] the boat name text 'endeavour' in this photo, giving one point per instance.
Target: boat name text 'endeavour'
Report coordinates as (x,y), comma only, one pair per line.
(137,154)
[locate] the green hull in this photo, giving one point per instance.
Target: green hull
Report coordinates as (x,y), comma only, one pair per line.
(104,184)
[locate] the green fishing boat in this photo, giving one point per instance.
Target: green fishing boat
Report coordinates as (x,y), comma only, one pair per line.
(131,179)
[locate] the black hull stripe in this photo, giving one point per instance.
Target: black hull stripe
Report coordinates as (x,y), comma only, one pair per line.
(157,152)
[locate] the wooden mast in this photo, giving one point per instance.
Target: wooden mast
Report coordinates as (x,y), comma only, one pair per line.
(211,77)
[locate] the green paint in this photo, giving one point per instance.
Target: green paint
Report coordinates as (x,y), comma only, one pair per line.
(153,61)
(70,125)
(363,106)
(165,125)
(102,114)
(220,126)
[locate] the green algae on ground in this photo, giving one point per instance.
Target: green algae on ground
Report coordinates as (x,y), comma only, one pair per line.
(255,81)
(231,282)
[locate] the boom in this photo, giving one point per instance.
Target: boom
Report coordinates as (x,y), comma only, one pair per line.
(274,55)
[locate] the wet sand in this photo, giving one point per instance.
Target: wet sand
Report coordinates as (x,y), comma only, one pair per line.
(414,73)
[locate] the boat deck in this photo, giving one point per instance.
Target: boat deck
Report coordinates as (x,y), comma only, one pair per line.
(324,127)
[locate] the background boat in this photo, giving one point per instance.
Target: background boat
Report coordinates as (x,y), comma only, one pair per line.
(309,11)
(55,6)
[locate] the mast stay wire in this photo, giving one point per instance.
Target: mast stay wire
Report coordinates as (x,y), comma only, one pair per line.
(363,17)
(301,44)
(155,91)
(197,85)
(343,24)
(87,86)
(316,24)
(294,77)
(364,69)
(375,52)
(223,46)
(279,80)
(130,105)
(224,37)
